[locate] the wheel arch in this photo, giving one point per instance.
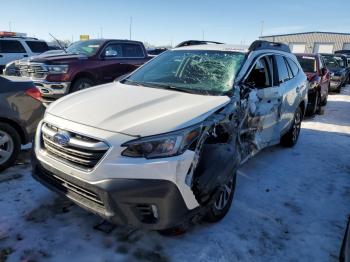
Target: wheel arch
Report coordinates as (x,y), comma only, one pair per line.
(22,133)
(83,74)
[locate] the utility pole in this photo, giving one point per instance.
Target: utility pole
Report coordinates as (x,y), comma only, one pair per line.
(101,31)
(130,28)
(262,28)
(10,26)
(202,34)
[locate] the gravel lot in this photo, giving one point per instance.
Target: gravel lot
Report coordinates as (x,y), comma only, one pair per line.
(290,205)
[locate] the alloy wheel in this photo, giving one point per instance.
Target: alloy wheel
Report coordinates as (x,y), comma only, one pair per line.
(296,125)
(224,195)
(6,147)
(83,86)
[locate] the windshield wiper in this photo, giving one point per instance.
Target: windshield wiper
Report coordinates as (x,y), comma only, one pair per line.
(167,87)
(132,82)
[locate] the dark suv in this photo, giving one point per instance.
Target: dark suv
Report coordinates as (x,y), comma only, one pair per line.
(319,80)
(337,64)
(82,65)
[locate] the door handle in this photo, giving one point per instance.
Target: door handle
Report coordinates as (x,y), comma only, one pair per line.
(1,56)
(25,55)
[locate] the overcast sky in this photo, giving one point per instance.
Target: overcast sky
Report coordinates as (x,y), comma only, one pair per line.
(164,22)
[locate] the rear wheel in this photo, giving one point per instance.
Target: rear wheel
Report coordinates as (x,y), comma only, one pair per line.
(291,137)
(81,84)
(10,145)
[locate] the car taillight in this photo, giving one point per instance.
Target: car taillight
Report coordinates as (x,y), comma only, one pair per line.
(34,92)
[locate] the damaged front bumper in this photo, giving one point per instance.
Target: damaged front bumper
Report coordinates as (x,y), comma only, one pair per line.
(150,203)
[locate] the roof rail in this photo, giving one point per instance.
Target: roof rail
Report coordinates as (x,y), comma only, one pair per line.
(261,45)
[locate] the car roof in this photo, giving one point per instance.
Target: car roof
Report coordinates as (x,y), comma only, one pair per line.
(214,47)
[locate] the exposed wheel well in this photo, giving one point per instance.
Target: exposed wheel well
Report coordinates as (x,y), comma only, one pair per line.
(19,129)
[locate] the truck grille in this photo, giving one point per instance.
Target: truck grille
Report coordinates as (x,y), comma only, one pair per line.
(80,151)
(34,70)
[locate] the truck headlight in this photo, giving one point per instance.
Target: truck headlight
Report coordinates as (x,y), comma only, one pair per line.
(167,145)
(57,69)
(313,84)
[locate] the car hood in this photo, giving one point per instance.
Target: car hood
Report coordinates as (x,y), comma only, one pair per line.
(56,58)
(136,110)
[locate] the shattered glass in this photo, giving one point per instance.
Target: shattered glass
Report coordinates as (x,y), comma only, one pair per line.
(197,71)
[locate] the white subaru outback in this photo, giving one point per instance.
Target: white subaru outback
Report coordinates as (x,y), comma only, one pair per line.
(159,148)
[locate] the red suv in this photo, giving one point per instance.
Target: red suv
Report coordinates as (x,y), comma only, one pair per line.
(82,65)
(319,80)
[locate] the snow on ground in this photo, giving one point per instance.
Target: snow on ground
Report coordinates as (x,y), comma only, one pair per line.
(290,205)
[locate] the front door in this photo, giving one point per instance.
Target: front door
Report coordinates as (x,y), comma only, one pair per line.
(264,102)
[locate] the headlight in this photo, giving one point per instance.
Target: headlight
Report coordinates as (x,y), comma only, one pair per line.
(166,145)
(57,69)
(313,84)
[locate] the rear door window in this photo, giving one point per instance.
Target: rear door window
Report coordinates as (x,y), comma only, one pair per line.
(293,66)
(283,74)
(37,46)
(133,51)
(11,46)
(114,50)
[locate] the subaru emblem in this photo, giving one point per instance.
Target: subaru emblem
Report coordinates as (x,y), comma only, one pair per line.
(61,139)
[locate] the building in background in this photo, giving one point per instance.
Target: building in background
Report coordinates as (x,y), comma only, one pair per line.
(313,42)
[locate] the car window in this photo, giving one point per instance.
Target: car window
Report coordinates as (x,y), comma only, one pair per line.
(293,66)
(331,62)
(290,73)
(11,46)
(195,71)
(348,59)
(133,50)
(283,74)
(37,46)
(321,63)
(340,61)
(261,75)
(307,63)
(86,48)
(113,50)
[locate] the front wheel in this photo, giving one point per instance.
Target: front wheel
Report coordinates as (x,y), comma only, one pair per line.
(220,206)
(291,137)
(81,84)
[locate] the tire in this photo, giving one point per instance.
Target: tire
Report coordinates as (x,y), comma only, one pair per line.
(291,137)
(315,105)
(10,145)
(325,100)
(218,208)
(81,84)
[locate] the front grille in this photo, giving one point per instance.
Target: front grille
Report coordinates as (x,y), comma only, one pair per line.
(81,152)
(33,70)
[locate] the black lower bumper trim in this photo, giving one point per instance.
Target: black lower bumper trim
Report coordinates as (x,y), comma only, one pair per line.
(121,201)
